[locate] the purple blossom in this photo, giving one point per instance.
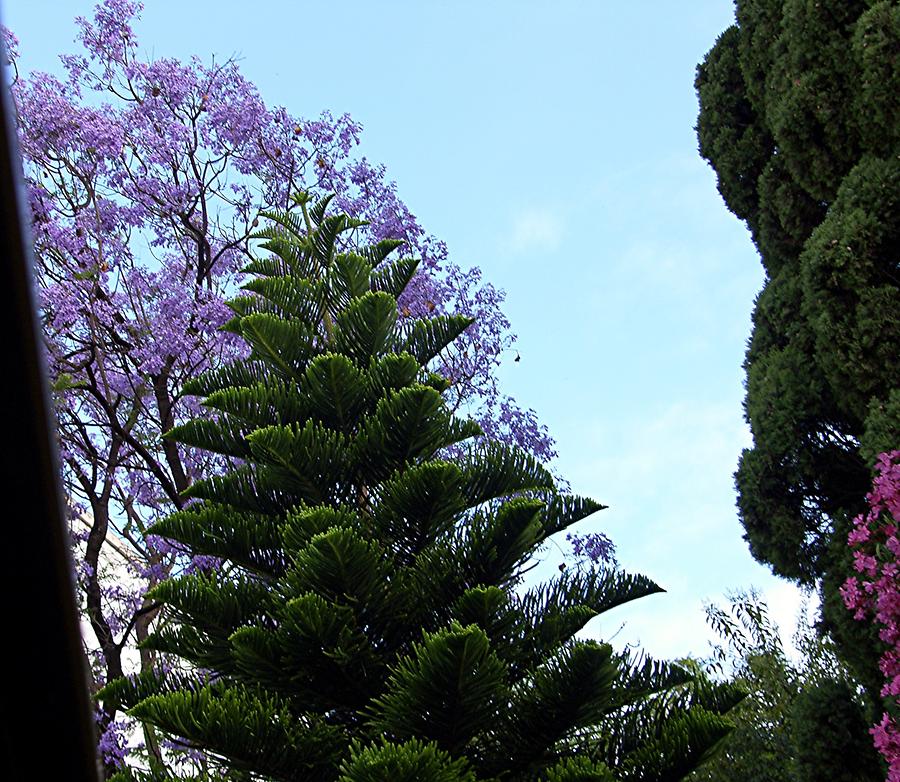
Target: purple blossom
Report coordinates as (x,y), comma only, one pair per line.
(144,179)
(595,546)
(113,745)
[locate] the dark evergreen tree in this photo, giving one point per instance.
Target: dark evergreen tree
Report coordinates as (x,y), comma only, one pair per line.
(830,736)
(800,117)
(367,620)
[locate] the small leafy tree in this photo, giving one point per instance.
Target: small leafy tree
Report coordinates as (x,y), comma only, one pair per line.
(751,655)
(803,719)
(364,621)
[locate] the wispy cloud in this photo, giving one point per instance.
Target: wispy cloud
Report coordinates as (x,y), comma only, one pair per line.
(668,481)
(535,229)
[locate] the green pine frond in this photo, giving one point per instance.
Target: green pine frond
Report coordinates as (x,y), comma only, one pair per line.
(324,238)
(345,569)
(407,424)
(417,505)
(303,524)
(250,730)
(495,546)
(323,641)
(291,222)
(292,298)
(376,253)
(391,373)
(461,429)
(294,256)
(564,510)
(650,693)
(601,589)
(321,625)
(285,346)
(537,638)
(257,657)
(317,210)
(132,774)
(247,305)
(235,373)
(365,329)
(552,613)
(485,549)
(347,279)
(211,602)
(425,339)
(569,692)
(251,540)
(495,469)
(130,690)
(411,761)
(437,381)
(280,233)
(334,390)
(578,769)
(263,404)
(685,741)
(643,676)
(716,697)
(270,266)
(225,436)
(449,689)
(638,736)
(208,650)
(243,488)
(489,607)
(309,461)
(393,277)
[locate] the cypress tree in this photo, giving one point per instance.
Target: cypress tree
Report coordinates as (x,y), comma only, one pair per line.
(800,118)
(368,619)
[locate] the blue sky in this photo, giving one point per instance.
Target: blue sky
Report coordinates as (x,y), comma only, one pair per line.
(552,145)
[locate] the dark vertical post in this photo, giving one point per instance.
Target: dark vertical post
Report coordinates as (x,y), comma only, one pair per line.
(45,721)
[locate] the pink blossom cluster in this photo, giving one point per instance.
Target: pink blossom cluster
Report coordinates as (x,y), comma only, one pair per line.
(875,590)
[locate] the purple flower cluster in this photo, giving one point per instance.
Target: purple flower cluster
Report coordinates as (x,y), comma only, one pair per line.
(113,743)
(595,546)
(874,593)
(145,179)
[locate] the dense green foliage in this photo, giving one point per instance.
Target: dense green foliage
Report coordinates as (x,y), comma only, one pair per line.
(802,721)
(830,736)
(800,117)
(366,619)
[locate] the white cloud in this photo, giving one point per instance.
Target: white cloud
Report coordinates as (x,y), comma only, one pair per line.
(784,601)
(535,230)
(663,626)
(673,625)
(667,478)
(676,460)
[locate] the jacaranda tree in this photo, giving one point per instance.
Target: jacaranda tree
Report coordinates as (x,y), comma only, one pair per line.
(145,178)
(800,117)
(365,619)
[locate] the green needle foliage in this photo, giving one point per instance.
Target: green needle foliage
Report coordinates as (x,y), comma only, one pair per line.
(368,619)
(800,118)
